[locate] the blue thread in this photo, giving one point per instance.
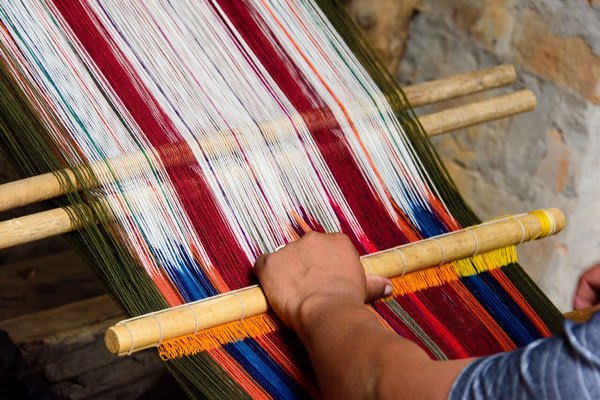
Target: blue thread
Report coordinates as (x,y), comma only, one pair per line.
(502,308)
(264,370)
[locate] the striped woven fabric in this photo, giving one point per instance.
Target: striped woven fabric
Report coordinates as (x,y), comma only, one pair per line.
(208,132)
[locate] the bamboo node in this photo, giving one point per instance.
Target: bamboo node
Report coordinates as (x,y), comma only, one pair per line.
(242,305)
(475,239)
(522,229)
(443,251)
(160,329)
(403,262)
(187,307)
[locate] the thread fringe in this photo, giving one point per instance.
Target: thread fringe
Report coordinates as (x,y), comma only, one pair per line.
(263,324)
(218,336)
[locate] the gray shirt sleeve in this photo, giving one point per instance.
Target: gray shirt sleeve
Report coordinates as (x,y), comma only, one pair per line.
(562,367)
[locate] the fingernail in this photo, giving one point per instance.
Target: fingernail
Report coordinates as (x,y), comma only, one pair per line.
(388,290)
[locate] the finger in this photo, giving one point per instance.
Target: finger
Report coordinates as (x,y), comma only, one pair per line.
(592,277)
(260,263)
(587,293)
(377,287)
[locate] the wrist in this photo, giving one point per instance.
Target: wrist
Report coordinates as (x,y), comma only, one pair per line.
(316,312)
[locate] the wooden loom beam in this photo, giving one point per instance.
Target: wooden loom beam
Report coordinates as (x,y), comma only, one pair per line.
(150,330)
(460,85)
(47,186)
(55,222)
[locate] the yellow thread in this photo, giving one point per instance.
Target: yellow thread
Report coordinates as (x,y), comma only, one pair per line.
(547,223)
(453,271)
(552,221)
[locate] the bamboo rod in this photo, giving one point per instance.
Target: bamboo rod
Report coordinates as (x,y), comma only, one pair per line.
(476,113)
(149,330)
(48,186)
(30,228)
(54,222)
(460,85)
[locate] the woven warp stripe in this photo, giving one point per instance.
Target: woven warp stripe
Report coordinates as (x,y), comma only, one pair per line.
(158,78)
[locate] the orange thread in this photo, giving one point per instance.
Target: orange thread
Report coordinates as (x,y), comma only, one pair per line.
(212,338)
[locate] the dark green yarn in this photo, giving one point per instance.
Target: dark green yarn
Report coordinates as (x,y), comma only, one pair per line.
(201,377)
(441,179)
(26,143)
(543,307)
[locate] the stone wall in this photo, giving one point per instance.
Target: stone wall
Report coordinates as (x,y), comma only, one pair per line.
(549,157)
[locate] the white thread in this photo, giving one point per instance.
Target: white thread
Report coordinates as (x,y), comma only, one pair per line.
(188,307)
(279,248)
(522,229)
(476,239)
(124,323)
(442,250)
(397,249)
(241,304)
(160,328)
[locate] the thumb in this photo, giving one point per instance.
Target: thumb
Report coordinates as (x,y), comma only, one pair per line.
(377,287)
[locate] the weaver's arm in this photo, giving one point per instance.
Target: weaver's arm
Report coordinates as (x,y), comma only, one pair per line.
(317,286)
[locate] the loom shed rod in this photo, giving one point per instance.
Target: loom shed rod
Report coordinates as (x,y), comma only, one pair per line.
(55,222)
(50,185)
(150,330)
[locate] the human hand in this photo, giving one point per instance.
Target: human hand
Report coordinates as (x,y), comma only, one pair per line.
(315,271)
(587,293)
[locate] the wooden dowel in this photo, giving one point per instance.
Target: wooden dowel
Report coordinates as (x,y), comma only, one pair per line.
(30,228)
(582,315)
(32,190)
(478,112)
(460,85)
(146,331)
(54,222)
(48,186)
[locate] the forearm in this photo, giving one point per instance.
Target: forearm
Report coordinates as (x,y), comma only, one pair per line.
(337,335)
(333,334)
(352,354)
